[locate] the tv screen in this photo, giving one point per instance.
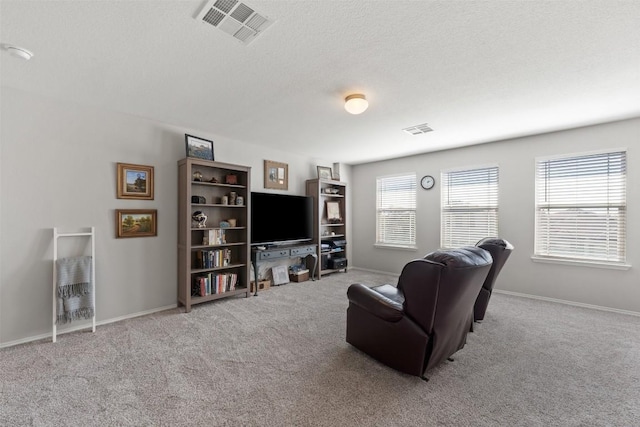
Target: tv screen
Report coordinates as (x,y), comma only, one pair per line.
(280,218)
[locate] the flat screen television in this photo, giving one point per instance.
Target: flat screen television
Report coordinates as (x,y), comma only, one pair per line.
(280,218)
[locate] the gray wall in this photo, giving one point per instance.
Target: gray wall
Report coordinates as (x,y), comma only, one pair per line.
(516,159)
(58,169)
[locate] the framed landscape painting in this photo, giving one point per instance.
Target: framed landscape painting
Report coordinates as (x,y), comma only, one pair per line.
(198,147)
(135,181)
(136,222)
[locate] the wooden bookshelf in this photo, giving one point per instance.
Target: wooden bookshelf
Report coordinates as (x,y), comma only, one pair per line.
(327,230)
(190,235)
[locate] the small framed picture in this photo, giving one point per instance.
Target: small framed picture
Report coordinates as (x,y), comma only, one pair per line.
(198,147)
(276,175)
(333,212)
(135,181)
(136,222)
(280,275)
(324,172)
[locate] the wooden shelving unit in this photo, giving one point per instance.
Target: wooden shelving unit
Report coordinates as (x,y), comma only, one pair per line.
(190,235)
(332,232)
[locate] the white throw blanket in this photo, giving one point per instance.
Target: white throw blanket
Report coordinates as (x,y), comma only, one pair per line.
(75,289)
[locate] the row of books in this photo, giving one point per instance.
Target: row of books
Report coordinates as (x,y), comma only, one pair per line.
(213,258)
(211,284)
(214,237)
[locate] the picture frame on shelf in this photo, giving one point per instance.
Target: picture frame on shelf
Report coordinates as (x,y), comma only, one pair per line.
(276,175)
(134,181)
(324,172)
(335,172)
(280,275)
(199,148)
(333,212)
(136,223)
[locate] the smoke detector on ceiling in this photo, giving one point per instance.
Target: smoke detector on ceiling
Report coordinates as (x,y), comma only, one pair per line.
(234,18)
(418,129)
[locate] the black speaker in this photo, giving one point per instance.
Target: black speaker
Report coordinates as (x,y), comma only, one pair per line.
(337,263)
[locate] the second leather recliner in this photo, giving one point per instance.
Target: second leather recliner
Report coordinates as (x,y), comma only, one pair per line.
(500,251)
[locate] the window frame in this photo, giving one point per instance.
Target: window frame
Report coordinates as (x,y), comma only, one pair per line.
(444,243)
(410,244)
(578,261)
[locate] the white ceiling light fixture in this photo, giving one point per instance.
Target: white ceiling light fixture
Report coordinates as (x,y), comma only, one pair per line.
(356,103)
(18,52)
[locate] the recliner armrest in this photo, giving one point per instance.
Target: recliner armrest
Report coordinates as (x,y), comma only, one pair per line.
(385,304)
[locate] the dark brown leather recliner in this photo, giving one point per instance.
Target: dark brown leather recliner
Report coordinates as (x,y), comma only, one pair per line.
(425,319)
(500,250)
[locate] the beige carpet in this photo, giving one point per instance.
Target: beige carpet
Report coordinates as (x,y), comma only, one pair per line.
(280,359)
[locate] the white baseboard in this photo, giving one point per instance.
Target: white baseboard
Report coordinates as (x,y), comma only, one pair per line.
(86,326)
(518,294)
(566,302)
(374,271)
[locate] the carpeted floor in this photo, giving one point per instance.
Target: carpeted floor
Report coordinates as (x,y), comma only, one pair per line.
(280,359)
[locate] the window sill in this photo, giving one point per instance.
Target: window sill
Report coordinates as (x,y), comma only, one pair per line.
(594,264)
(399,247)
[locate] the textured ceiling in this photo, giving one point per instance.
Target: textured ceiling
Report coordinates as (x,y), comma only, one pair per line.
(475,71)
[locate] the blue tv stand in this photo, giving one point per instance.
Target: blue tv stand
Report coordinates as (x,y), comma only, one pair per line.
(302,250)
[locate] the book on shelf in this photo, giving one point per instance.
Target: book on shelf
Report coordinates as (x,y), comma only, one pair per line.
(213,258)
(214,237)
(212,283)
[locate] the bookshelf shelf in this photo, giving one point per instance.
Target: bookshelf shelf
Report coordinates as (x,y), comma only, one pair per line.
(217,205)
(225,267)
(212,245)
(222,245)
(212,297)
(217,184)
(217,228)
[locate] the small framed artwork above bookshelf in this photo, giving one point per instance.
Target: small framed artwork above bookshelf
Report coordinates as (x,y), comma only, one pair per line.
(276,175)
(199,148)
(324,172)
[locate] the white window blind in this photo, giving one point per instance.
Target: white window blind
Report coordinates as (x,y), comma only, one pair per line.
(396,210)
(469,206)
(581,207)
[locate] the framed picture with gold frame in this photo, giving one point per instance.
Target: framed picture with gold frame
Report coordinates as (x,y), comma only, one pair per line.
(276,175)
(136,223)
(135,181)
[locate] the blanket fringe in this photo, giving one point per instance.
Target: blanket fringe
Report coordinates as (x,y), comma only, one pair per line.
(73,290)
(69,316)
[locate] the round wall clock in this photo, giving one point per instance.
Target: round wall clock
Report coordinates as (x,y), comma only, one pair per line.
(427,182)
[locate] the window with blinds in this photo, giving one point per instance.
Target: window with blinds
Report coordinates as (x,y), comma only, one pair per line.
(469,206)
(396,210)
(581,207)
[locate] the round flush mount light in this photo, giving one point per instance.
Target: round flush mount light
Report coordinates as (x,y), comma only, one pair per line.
(19,52)
(356,103)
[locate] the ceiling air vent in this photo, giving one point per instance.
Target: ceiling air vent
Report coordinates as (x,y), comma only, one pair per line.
(234,18)
(418,129)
